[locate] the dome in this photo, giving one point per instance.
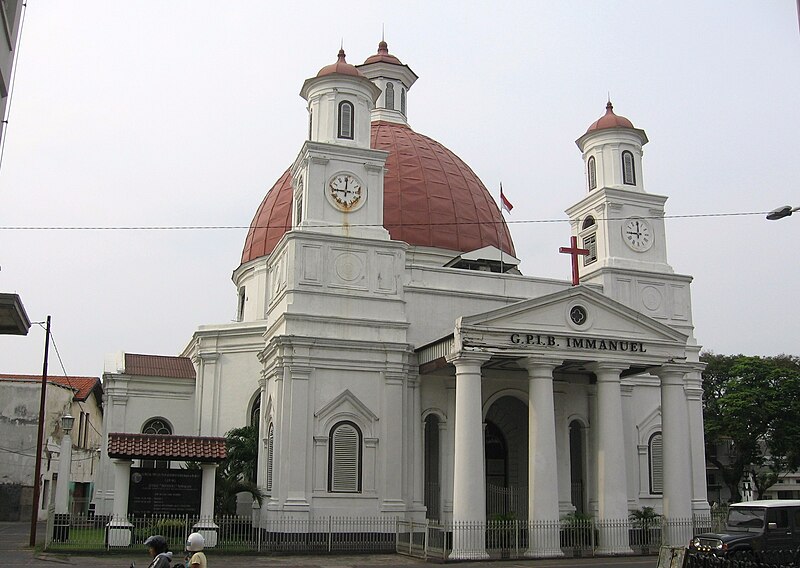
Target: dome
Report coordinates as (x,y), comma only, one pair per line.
(341,67)
(610,120)
(382,55)
(431,198)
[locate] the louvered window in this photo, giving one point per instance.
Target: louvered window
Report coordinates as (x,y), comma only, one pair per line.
(390,96)
(346,120)
(403,101)
(590,243)
(270,446)
(656,464)
(344,462)
(628,169)
(592,173)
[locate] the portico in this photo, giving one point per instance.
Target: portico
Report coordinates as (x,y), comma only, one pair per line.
(589,346)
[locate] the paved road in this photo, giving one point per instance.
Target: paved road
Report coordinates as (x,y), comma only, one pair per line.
(15,553)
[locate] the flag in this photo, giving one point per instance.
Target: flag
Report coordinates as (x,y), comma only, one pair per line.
(505,203)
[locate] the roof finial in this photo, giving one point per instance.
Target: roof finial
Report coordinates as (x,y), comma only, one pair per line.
(383,32)
(340,57)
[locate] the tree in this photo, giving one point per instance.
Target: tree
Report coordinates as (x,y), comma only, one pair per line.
(752,406)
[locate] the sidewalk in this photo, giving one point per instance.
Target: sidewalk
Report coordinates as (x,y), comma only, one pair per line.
(16,554)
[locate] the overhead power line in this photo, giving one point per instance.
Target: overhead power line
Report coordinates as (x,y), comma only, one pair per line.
(387,225)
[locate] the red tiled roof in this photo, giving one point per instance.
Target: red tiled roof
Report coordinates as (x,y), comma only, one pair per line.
(160,446)
(430,198)
(82,386)
(159,366)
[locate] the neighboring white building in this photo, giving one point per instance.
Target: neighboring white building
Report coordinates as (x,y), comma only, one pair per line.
(397,363)
(20,396)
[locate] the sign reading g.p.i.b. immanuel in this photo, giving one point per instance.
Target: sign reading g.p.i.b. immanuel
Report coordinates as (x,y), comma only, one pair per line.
(582,343)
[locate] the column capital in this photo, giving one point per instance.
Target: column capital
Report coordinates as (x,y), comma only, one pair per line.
(608,370)
(671,373)
(468,357)
(539,365)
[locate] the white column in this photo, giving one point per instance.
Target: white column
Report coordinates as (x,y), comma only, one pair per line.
(469,479)
(119,529)
(64,474)
(612,486)
(631,449)
(206,525)
(391,446)
(694,400)
(447,452)
(677,499)
(296,457)
(542,462)
(418,439)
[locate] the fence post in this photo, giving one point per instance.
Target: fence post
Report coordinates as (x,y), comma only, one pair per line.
(330,533)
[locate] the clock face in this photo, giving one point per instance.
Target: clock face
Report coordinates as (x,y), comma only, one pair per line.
(637,234)
(345,191)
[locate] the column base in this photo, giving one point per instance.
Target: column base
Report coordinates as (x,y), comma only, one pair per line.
(544,553)
(209,529)
(464,554)
(119,532)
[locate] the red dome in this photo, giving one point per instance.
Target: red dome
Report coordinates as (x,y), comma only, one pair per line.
(341,67)
(431,198)
(610,120)
(382,55)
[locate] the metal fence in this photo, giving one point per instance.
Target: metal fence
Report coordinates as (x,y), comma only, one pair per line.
(226,533)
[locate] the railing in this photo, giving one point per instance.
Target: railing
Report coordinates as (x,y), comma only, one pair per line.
(225,533)
(506,502)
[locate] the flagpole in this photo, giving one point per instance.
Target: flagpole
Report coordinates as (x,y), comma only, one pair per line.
(499,243)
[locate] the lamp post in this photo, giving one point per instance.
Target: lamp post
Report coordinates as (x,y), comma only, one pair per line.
(61,521)
(782,212)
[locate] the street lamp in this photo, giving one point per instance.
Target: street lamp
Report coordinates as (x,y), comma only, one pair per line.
(61,521)
(782,212)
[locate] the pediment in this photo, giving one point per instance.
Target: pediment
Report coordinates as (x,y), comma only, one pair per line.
(346,404)
(545,324)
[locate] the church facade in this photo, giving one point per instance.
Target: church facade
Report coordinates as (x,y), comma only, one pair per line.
(396,362)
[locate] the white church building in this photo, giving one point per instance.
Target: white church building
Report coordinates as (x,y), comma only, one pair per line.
(396,361)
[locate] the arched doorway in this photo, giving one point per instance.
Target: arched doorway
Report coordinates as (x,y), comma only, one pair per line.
(433,485)
(506,459)
(577,466)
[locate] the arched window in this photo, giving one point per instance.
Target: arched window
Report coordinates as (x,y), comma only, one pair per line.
(270,453)
(656,459)
(628,169)
(588,222)
(592,173)
(156,426)
(255,412)
(310,123)
(390,96)
(344,458)
(403,101)
(346,120)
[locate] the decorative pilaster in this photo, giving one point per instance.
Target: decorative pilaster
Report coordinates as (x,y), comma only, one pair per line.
(542,462)
(297,467)
(469,479)
(694,401)
(677,499)
(612,486)
(392,442)
(565,505)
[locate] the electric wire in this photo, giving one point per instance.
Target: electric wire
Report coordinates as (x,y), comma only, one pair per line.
(386,225)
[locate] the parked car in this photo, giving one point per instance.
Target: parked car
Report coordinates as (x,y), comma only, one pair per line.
(753,527)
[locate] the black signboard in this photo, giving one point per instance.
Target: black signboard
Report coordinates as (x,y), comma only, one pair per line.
(164,491)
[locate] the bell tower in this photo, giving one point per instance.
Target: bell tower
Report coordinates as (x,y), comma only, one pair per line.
(623,226)
(337,179)
(620,223)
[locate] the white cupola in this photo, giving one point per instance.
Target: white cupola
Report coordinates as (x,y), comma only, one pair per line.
(612,153)
(340,100)
(394,79)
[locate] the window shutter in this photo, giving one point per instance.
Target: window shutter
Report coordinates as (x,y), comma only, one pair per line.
(345,120)
(656,464)
(628,172)
(345,454)
(592,173)
(390,96)
(270,446)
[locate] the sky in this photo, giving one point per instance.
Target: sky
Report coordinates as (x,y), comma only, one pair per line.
(143,114)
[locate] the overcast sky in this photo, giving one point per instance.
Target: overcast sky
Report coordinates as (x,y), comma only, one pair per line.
(186,112)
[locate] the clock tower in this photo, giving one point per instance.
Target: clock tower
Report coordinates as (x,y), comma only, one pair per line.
(337,179)
(622,225)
